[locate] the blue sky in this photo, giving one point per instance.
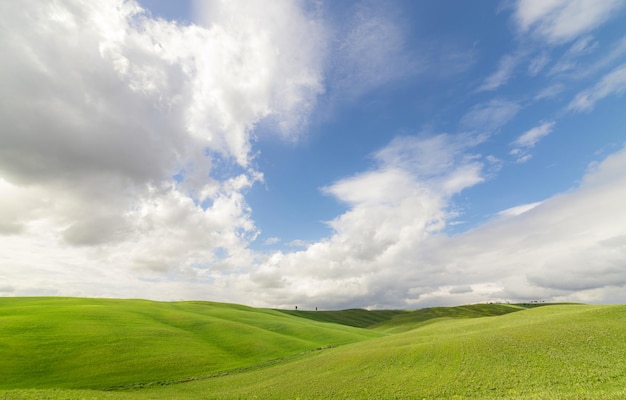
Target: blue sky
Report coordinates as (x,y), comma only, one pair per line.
(325,154)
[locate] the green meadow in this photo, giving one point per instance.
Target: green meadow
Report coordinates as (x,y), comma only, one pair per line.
(72,348)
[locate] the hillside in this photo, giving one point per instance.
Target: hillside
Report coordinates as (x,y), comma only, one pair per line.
(201,350)
(553,352)
(98,343)
(415,319)
(357,317)
(395,321)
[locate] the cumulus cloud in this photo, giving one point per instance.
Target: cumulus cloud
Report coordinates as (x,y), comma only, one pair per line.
(552,250)
(127,150)
(559,21)
(392,208)
(283,52)
(389,249)
(102,105)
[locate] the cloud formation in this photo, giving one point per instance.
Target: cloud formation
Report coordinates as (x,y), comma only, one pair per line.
(394,207)
(102,105)
(505,69)
(613,83)
(529,139)
(559,21)
(388,250)
(490,116)
(128,148)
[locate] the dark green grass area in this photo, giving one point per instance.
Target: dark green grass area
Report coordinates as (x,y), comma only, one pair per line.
(395,321)
(356,317)
(99,343)
(415,319)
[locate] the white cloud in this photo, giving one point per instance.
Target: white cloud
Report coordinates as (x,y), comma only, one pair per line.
(550,92)
(586,58)
(428,157)
(618,49)
(532,136)
(389,251)
(566,244)
(528,140)
(506,66)
(271,240)
(300,243)
(392,209)
(558,21)
(101,105)
(274,54)
(613,83)
(584,45)
(570,62)
(490,116)
(518,210)
(521,157)
(210,85)
(381,187)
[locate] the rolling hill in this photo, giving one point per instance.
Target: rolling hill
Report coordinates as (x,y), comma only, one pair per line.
(86,348)
(100,343)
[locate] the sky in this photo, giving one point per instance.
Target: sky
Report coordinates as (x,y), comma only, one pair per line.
(397,154)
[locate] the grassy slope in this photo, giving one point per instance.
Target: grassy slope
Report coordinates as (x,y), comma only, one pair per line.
(96,343)
(356,317)
(556,352)
(395,321)
(415,319)
(553,352)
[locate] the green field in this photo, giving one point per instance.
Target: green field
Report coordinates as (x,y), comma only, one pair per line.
(70,348)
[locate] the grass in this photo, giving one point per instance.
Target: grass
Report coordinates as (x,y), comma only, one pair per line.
(415,319)
(551,352)
(100,343)
(395,321)
(354,317)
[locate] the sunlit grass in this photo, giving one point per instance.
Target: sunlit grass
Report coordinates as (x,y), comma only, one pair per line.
(99,343)
(218,351)
(558,352)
